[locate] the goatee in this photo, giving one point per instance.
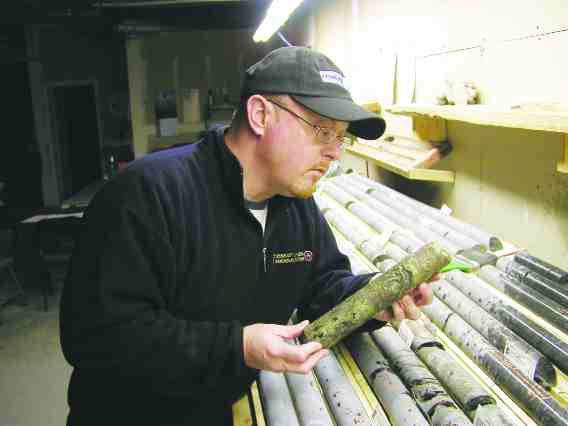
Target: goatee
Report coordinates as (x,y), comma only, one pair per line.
(301,189)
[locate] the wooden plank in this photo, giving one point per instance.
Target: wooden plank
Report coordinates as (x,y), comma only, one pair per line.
(549,121)
(408,143)
(560,392)
(377,158)
(384,146)
(241,412)
(432,175)
(257,404)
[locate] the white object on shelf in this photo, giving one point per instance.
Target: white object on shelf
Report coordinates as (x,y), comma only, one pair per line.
(191,106)
(168,126)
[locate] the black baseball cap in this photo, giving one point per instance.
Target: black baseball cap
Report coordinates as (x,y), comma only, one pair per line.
(315,82)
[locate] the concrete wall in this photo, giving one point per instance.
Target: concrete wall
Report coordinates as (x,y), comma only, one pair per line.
(61,55)
(99,56)
(515,51)
(21,185)
(181,61)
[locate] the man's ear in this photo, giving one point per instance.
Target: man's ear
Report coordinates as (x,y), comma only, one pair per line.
(257,114)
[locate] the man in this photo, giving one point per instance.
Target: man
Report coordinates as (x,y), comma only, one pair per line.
(194,259)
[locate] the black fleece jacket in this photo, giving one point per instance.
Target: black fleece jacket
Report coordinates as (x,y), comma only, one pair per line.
(170,268)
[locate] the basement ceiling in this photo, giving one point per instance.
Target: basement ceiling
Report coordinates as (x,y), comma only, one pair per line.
(173,14)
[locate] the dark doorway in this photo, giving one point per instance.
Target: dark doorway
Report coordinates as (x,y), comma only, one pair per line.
(20,164)
(77,133)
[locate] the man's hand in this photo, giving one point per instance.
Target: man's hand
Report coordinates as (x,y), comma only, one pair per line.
(407,307)
(265,348)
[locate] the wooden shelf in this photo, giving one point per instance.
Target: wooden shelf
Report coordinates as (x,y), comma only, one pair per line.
(387,161)
(548,121)
(551,120)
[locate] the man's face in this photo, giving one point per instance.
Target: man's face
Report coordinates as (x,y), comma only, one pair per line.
(297,158)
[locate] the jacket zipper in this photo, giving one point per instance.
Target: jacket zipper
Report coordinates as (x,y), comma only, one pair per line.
(264,259)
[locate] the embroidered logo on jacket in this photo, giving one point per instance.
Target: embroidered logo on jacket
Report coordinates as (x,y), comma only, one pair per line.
(293,257)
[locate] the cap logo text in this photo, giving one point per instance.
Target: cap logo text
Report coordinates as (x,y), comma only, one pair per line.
(332,77)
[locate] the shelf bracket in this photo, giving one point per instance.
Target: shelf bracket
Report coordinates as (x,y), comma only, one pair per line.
(429,129)
(562,166)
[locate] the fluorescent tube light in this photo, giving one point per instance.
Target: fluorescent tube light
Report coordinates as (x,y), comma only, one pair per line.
(276,16)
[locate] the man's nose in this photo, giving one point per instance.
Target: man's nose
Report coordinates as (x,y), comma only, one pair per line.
(333,151)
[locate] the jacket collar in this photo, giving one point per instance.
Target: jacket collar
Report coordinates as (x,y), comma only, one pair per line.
(232,173)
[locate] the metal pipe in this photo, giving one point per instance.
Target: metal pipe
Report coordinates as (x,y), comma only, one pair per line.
(426,389)
(479,291)
(526,296)
(342,399)
(526,358)
(532,397)
(389,389)
(277,403)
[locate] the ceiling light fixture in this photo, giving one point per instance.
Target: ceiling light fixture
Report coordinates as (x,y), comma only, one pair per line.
(276,16)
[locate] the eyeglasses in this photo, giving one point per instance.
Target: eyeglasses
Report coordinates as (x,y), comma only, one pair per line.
(324,135)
